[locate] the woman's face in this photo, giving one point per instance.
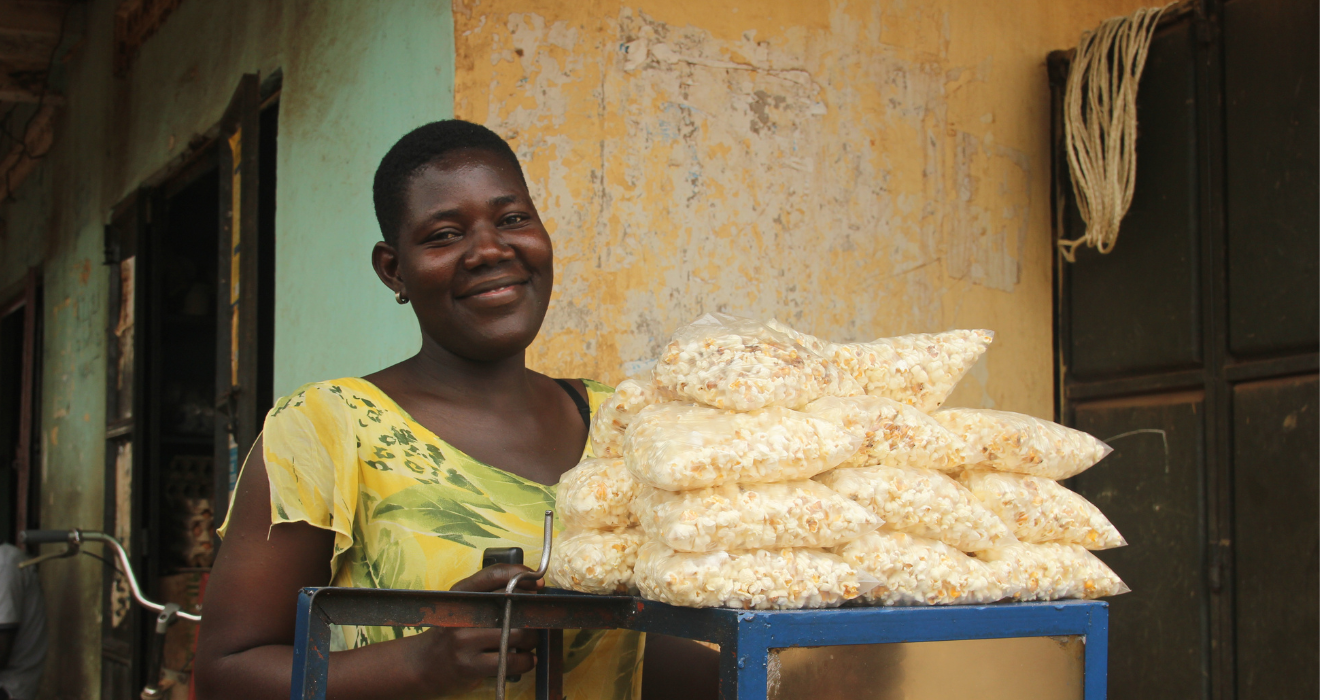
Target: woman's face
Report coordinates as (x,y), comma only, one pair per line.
(472,256)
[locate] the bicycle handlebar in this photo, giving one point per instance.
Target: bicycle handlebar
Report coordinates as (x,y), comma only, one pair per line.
(80,536)
(42,536)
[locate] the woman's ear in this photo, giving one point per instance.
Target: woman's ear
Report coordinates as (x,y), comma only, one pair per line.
(385,259)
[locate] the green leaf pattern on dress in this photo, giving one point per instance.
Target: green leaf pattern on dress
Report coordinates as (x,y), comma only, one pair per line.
(423,513)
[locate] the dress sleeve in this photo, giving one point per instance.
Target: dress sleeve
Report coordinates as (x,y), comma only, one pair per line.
(310,449)
(597,392)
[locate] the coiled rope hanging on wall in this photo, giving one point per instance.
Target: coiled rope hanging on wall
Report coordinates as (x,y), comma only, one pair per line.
(1100,124)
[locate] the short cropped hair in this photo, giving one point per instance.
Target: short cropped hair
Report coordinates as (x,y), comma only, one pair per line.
(419,148)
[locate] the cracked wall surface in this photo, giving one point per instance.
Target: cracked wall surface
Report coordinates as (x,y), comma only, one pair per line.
(858,169)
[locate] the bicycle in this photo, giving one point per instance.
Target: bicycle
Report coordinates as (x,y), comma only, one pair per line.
(167,613)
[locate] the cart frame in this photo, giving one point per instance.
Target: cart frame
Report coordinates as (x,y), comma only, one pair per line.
(745,636)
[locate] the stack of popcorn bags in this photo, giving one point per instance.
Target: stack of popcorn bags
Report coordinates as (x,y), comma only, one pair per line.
(763,468)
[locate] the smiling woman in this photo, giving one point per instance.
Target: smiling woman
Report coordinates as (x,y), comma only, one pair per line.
(401,478)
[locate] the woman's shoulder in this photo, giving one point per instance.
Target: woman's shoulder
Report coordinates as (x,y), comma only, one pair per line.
(331,417)
(346,394)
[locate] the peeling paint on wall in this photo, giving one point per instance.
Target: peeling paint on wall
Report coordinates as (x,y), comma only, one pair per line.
(986,246)
(842,166)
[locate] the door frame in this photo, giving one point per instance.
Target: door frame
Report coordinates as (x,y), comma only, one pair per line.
(25,295)
(134,217)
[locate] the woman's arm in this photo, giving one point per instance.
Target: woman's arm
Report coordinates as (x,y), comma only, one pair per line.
(679,668)
(245,646)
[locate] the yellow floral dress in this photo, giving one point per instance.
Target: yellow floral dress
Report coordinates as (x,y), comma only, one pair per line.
(410,511)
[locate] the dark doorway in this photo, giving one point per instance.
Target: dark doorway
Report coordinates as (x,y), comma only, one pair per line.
(19,350)
(11,389)
(184,377)
(173,407)
(1192,347)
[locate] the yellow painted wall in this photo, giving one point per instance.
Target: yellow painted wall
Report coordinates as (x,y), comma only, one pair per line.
(857,169)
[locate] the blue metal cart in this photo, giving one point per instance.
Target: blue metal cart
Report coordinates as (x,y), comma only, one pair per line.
(746,638)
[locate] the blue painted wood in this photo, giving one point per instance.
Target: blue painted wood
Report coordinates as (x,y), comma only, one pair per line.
(729,669)
(311,650)
(811,628)
(745,637)
(754,644)
(1095,685)
(759,632)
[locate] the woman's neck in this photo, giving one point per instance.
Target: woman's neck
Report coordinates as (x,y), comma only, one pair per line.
(451,378)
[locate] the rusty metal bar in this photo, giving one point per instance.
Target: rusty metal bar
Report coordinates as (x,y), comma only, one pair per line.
(371,606)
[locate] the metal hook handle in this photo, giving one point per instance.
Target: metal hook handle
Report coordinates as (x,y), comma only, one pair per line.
(546,540)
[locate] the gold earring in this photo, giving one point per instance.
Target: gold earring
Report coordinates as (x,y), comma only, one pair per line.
(399,297)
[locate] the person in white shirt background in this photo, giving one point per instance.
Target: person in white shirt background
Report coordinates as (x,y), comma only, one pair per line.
(22,627)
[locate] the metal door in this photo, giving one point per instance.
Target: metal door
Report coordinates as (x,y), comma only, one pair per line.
(127,253)
(1192,349)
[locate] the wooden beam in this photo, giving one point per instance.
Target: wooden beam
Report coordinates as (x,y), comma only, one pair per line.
(29,33)
(23,159)
(31,17)
(135,22)
(26,52)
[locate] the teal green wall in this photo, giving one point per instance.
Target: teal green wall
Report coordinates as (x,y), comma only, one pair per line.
(346,102)
(357,75)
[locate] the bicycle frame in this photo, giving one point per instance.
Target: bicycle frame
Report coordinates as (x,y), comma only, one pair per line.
(167,614)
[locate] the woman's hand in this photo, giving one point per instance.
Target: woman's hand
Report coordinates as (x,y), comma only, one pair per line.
(459,659)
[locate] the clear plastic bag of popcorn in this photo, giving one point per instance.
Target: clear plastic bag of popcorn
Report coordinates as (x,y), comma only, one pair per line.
(741,364)
(819,346)
(758,579)
(597,493)
(922,502)
(915,570)
(1012,442)
(920,370)
(1052,572)
(595,561)
(618,411)
(893,433)
(799,513)
(1039,510)
(677,447)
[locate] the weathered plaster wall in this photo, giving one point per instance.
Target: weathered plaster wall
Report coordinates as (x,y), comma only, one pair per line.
(56,222)
(356,76)
(858,169)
